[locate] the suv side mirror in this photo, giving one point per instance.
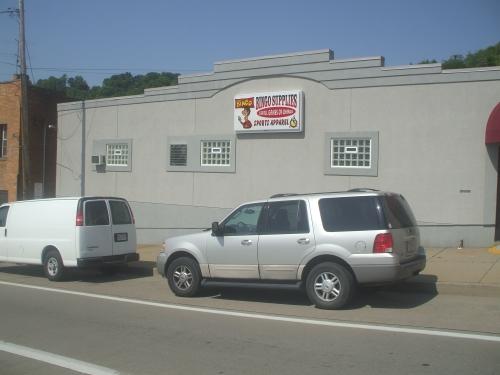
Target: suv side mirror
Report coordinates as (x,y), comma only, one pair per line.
(217,229)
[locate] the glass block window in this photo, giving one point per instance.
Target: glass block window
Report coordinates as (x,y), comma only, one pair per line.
(117,154)
(3,141)
(351,153)
(216,153)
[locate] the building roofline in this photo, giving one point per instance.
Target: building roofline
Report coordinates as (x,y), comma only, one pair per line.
(278,56)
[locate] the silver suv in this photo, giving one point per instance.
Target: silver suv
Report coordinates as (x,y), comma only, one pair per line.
(327,242)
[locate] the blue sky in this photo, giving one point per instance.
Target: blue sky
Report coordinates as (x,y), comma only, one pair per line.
(97,38)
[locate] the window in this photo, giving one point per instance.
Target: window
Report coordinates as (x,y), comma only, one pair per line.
(287,217)
(4,196)
(178,155)
(398,212)
(3,216)
(352,154)
(213,153)
(117,154)
(243,221)
(350,214)
(96,213)
(3,141)
(216,153)
(120,213)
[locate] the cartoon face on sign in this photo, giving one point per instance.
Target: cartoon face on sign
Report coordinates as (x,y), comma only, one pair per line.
(245,122)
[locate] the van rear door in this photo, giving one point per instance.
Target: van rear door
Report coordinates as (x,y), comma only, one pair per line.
(95,234)
(123,227)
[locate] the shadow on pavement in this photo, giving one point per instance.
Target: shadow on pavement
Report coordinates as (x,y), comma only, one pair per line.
(259,295)
(405,295)
(134,270)
(389,298)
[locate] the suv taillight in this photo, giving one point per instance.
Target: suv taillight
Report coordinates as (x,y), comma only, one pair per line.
(383,243)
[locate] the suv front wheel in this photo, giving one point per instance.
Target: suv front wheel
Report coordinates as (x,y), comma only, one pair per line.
(184,277)
(329,285)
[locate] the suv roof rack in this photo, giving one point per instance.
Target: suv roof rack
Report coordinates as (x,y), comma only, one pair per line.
(283,195)
(354,190)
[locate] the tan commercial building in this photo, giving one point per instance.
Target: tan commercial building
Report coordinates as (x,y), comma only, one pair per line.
(295,123)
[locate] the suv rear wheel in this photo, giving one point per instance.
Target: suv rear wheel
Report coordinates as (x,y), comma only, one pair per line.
(329,285)
(184,277)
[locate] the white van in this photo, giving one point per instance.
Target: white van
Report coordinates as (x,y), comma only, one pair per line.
(68,232)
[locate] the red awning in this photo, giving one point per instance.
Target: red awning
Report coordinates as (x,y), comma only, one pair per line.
(493,126)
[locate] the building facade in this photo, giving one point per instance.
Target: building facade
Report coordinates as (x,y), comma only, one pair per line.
(304,122)
(42,120)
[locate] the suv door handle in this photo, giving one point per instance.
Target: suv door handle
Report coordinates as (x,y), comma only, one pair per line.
(246,242)
(303,241)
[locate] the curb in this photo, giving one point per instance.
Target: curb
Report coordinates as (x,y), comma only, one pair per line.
(495,249)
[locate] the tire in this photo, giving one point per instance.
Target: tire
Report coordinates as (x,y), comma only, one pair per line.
(330,286)
(53,266)
(184,277)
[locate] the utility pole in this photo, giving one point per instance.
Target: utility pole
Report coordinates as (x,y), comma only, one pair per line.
(25,138)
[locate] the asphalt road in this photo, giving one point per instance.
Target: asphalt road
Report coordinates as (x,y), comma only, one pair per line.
(132,324)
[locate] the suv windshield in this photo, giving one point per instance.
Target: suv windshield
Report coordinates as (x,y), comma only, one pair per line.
(350,214)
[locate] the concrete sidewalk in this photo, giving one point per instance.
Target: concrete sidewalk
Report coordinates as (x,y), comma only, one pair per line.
(480,266)
(452,270)
(448,270)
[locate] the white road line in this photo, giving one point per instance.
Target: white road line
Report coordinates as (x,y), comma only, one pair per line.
(327,323)
(55,359)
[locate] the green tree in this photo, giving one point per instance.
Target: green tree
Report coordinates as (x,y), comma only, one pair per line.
(116,85)
(454,62)
(54,83)
(489,56)
(427,61)
(77,88)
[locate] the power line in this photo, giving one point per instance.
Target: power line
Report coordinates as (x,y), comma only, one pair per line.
(108,70)
(7,63)
(10,11)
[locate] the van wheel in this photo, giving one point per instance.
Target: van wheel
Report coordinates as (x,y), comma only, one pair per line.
(329,286)
(53,266)
(184,277)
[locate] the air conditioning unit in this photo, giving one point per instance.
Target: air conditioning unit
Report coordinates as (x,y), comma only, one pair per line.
(98,159)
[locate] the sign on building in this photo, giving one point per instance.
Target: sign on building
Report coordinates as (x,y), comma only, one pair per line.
(280,111)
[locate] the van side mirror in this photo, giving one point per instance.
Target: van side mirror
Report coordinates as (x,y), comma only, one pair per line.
(217,229)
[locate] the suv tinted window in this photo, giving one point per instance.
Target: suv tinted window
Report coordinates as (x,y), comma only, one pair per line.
(287,217)
(96,213)
(120,213)
(244,220)
(350,214)
(398,212)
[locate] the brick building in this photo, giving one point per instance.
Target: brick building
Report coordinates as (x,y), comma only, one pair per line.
(43,140)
